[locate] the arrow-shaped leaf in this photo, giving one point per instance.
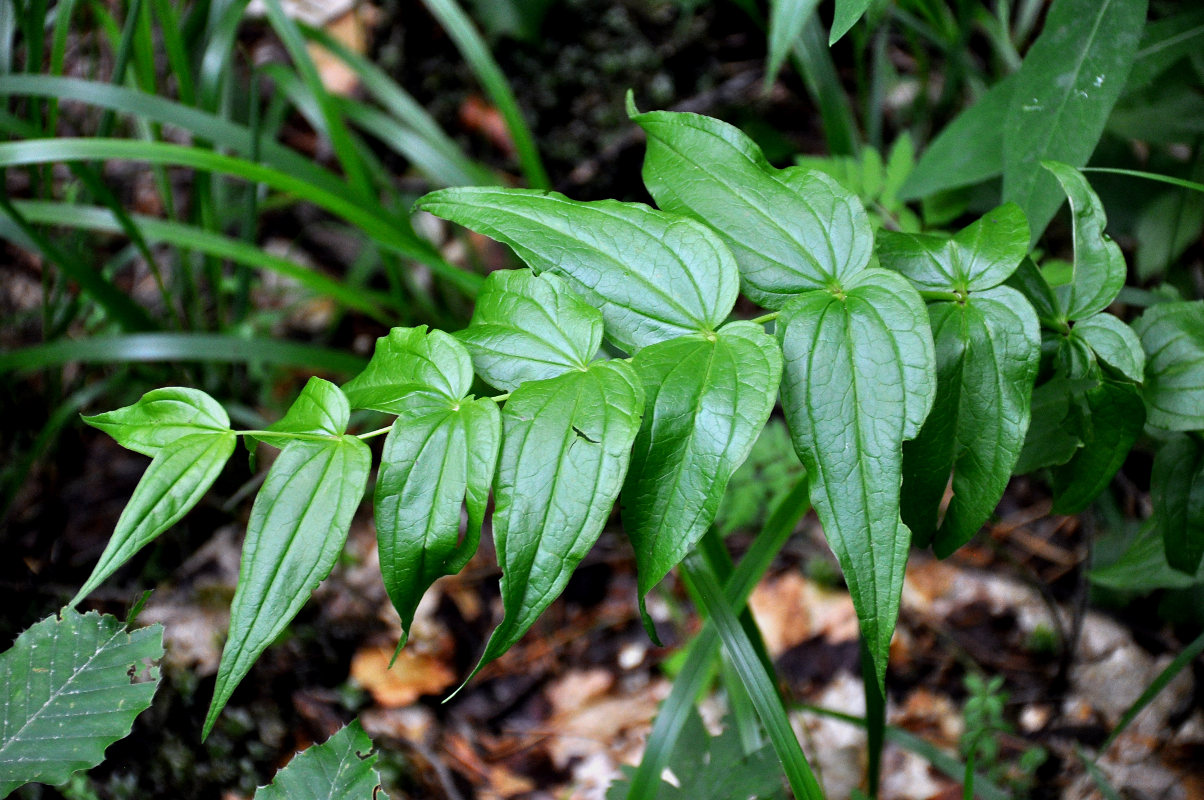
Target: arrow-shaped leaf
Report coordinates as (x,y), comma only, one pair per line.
(708,396)
(528,327)
(161,417)
(1172,335)
(790,230)
(410,360)
(565,448)
(653,275)
(1177,494)
(860,379)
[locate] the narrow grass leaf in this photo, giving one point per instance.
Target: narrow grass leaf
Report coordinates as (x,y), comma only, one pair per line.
(786,21)
(847,14)
(1181,662)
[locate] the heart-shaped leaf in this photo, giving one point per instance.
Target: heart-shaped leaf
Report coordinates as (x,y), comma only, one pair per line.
(410,360)
(320,410)
(1112,420)
(1177,494)
(161,417)
(653,275)
(1114,343)
(565,447)
(790,230)
(1172,335)
(708,396)
(529,327)
(859,380)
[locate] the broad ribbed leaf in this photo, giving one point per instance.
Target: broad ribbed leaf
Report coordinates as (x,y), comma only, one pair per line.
(341,768)
(175,481)
(1099,266)
(1177,494)
(297,529)
(987,352)
(1172,335)
(410,360)
(707,399)
(790,230)
(1065,89)
(438,458)
(980,256)
(1113,419)
(565,447)
(860,379)
(320,410)
(653,275)
(68,694)
(1114,343)
(529,327)
(161,417)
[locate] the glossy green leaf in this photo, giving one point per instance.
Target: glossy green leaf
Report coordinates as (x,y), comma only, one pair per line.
(708,396)
(847,14)
(1114,343)
(1052,438)
(987,352)
(1099,266)
(859,380)
(1113,419)
(529,327)
(1064,90)
(160,417)
(653,275)
(1172,335)
(565,448)
(320,410)
(297,529)
(68,694)
(1030,281)
(980,256)
(341,768)
(790,230)
(1177,494)
(177,478)
(438,457)
(1075,359)
(786,21)
(409,360)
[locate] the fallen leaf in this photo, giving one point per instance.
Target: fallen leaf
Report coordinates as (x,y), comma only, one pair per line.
(412,676)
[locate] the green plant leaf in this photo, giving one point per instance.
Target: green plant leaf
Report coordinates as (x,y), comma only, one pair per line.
(341,768)
(69,694)
(1065,89)
(786,21)
(529,327)
(1099,266)
(1114,342)
(1143,567)
(160,417)
(847,14)
(439,456)
(410,360)
(1112,421)
(981,255)
(1051,438)
(1177,494)
(987,352)
(1030,281)
(320,410)
(708,396)
(1172,335)
(653,275)
(297,529)
(565,448)
(790,230)
(859,380)
(177,478)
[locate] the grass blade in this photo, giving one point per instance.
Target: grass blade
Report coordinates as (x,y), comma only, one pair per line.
(1164,678)
(1150,176)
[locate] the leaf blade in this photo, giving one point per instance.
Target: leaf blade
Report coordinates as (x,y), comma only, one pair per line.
(409,360)
(1177,494)
(342,767)
(1172,336)
(160,417)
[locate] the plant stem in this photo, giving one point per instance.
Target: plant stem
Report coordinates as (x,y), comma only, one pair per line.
(931,294)
(761,320)
(377,432)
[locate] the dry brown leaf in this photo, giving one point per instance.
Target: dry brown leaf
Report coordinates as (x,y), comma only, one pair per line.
(790,609)
(478,116)
(412,676)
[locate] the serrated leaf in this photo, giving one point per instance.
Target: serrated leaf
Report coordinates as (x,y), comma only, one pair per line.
(529,327)
(786,21)
(1177,494)
(410,360)
(298,525)
(791,230)
(160,417)
(859,380)
(320,410)
(1064,91)
(175,481)
(982,255)
(847,14)
(565,448)
(438,457)
(68,694)
(652,275)
(1172,336)
(1113,419)
(1114,342)
(1099,266)
(987,352)
(707,399)
(341,768)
